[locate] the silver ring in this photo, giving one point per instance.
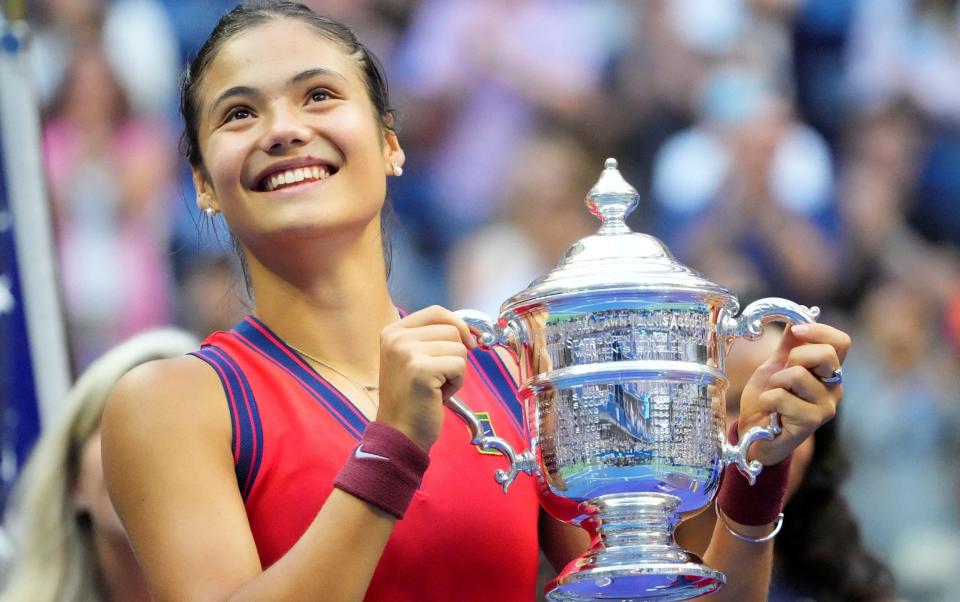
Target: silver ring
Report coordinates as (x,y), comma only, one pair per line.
(834,379)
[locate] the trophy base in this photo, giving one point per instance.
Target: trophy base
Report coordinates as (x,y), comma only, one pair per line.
(634,556)
(641,581)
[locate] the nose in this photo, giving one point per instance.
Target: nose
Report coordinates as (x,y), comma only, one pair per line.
(285,129)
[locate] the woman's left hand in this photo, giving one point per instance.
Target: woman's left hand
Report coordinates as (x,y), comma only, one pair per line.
(790,384)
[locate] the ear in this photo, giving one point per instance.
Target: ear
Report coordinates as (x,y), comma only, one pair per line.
(392,152)
(206,197)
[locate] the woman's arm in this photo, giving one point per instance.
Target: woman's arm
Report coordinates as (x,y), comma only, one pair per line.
(790,384)
(167,460)
(170,473)
(559,541)
(746,565)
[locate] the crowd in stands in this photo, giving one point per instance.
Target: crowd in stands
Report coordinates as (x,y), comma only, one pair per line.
(807,149)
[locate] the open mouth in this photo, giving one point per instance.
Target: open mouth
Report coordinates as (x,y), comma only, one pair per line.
(278,180)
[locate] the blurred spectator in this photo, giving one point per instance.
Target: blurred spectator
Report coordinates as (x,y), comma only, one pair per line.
(877,187)
(69,543)
(471,79)
(798,148)
(820,41)
(751,179)
(110,174)
(59,27)
(906,48)
(137,38)
(902,423)
(139,42)
(543,214)
(911,50)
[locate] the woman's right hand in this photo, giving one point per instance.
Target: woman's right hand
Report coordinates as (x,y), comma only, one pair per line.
(423,358)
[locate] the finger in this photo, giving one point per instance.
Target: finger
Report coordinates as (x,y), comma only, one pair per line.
(798,421)
(795,413)
(436,314)
(819,358)
(442,349)
(452,370)
(822,333)
(787,343)
(802,383)
(433,332)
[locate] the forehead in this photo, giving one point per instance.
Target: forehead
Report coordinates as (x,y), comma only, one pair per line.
(270,53)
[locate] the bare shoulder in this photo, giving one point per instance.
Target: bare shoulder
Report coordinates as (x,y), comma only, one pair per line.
(168,419)
(169,469)
(182,392)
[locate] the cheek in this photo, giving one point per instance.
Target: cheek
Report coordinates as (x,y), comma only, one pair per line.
(359,135)
(224,164)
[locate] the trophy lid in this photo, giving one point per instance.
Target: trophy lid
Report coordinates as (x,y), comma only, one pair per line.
(616,258)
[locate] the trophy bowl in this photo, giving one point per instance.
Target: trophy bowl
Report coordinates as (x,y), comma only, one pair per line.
(621,354)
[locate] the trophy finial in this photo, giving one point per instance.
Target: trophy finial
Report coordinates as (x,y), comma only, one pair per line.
(611,199)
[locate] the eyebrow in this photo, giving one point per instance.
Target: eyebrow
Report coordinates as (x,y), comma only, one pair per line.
(314,72)
(248,91)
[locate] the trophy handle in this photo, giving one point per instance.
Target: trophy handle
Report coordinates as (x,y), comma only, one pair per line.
(737,454)
(749,325)
(489,334)
(518,462)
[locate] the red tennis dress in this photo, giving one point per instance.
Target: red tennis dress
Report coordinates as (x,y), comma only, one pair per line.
(461,538)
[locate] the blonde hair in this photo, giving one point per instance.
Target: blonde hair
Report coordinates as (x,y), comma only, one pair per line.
(53,555)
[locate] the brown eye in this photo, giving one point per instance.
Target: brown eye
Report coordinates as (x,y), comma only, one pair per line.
(319,95)
(238,113)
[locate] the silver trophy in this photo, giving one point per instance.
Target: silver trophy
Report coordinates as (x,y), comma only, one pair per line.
(621,355)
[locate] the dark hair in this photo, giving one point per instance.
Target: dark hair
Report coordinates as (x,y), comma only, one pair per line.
(248,15)
(242,18)
(820,553)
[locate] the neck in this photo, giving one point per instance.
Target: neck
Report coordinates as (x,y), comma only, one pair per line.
(120,575)
(332,305)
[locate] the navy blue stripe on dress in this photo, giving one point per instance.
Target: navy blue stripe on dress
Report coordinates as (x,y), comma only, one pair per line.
(247,440)
(495,376)
(258,337)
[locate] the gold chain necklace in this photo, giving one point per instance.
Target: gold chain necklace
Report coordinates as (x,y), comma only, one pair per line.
(365,389)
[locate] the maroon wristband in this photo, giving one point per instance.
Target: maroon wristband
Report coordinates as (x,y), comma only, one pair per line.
(757,504)
(384,470)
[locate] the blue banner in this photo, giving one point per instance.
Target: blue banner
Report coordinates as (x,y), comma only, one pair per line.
(19,415)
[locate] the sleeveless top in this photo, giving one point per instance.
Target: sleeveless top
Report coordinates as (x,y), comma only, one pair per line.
(461,538)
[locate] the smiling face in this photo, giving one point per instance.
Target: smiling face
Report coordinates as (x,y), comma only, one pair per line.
(289,138)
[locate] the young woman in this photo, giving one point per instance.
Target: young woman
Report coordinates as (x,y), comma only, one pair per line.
(69,543)
(276,462)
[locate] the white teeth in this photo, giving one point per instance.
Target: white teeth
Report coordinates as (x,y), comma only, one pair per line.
(293,176)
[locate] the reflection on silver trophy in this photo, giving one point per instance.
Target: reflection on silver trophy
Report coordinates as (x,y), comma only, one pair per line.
(621,352)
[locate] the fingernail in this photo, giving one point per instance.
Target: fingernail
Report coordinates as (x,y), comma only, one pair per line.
(800,329)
